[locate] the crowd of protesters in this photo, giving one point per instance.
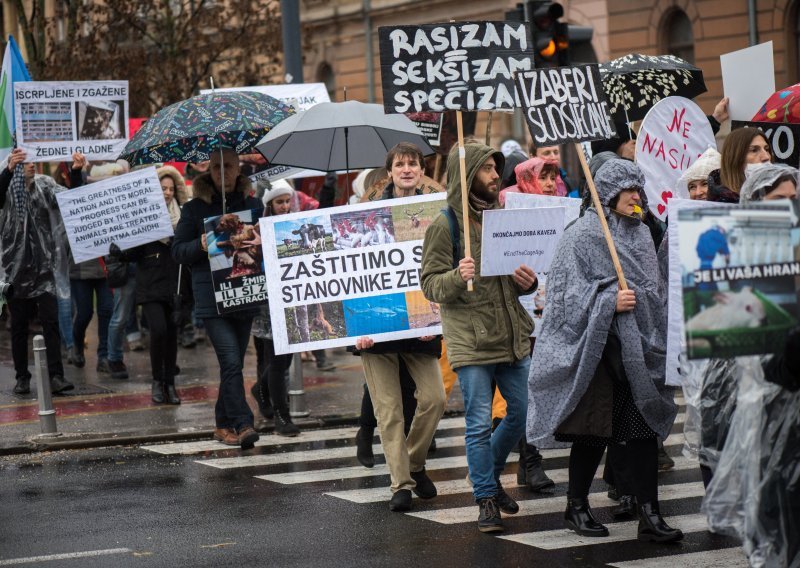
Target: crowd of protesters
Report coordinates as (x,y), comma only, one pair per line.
(594,378)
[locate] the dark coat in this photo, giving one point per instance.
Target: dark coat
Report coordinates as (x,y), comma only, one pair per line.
(186,247)
(156,272)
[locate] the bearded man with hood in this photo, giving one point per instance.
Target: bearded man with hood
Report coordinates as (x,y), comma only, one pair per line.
(229,333)
(486,330)
(598,372)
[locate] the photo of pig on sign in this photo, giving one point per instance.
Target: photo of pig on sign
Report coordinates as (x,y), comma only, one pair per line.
(674,133)
(738,274)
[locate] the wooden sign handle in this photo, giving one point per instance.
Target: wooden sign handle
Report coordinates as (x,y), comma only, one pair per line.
(462,167)
(623,285)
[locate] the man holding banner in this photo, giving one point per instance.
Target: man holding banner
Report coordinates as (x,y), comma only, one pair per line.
(486,330)
(34,248)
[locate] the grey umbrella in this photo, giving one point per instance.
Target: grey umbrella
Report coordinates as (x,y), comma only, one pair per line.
(339,136)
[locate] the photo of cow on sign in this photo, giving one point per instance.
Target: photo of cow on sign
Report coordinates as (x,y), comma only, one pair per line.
(310,235)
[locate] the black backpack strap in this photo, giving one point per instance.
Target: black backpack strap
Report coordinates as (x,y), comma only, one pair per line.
(454,234)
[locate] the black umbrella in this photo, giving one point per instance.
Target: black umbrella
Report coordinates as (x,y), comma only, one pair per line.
(635,82)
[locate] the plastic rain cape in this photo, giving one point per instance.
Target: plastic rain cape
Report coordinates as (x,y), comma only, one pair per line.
(33,245)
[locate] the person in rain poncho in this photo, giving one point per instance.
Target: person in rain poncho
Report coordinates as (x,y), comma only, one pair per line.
(35,248)
(755,491)
(597,377)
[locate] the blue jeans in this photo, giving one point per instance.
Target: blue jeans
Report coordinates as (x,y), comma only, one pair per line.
(123,301)
(83,293)
(65,321)
(230,335)
(487,451)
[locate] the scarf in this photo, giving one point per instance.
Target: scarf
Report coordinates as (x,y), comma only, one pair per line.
(477,203)
(19,191)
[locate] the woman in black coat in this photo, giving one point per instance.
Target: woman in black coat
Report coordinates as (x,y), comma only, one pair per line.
(156,284)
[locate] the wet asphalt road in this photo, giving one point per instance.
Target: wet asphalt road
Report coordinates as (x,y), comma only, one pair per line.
(172,510)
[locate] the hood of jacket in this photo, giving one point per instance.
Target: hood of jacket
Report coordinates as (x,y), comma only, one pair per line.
(615,176)
(476,155)
(182,194)
(203,187)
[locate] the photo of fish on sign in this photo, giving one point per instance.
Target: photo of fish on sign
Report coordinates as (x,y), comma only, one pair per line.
(738,274)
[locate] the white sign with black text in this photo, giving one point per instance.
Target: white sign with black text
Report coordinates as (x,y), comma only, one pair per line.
(512,237)
(56,119)
(127,210)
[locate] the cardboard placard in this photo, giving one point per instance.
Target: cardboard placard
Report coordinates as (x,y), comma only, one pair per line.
(784,140)
(56,119)
(512,237)
(748,79)
(564,104)
(341,273)
(302,96)
(430,124)
(674,133)
(128,210)
(454,66)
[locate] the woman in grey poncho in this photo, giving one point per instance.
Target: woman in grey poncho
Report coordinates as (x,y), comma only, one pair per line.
(597,377)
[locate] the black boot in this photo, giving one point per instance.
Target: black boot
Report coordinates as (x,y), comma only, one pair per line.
(653,528)
(284,425)
(579,518)
(261,394)
(626,508)
(364,447)
(530,472)
(158,392)
(171,394)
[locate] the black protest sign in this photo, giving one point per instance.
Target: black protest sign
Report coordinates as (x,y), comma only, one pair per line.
(784,140)
(430,124)
(457,66)
(564,104)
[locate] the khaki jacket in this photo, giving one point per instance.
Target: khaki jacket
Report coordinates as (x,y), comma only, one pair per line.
(488,325)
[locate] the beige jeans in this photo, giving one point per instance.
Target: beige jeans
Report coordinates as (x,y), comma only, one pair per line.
(404,455)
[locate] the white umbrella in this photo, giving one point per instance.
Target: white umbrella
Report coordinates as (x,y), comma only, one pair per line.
(339,136)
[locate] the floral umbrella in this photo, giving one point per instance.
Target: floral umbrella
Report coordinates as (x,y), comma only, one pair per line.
(190,130)
(635,82)
(782,106)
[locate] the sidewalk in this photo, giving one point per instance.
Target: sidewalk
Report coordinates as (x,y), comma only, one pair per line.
(103,411)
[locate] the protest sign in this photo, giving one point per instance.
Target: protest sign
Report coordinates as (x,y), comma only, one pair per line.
(738,271)
(301,96)
(341,273)
(274,173)
(128,210)
(748,79)
(455,66)
(534,303)
(56,119)
(430,124)
(234,253)
(675,326)
(520,236)
(674,133)
(564,104)
(784,140)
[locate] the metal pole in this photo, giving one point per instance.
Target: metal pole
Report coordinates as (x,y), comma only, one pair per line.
(292,54)
(47,416)
(297,396)
(752,21)
(370,56)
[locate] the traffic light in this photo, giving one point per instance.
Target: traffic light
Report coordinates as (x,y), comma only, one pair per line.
(547,32)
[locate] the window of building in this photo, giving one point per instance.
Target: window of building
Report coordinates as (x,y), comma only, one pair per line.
(678,38)
(325,75)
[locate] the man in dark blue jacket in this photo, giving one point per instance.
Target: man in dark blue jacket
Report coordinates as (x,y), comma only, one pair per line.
(229,333)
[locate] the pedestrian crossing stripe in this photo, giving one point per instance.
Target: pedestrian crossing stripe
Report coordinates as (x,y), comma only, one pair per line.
(456,486)
(618,532)
(722,558)
(348,433)
(557,504)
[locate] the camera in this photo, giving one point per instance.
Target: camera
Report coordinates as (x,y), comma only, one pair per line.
(6,292)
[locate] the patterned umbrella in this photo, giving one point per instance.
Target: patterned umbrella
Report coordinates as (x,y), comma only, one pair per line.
(782,106)
(634,83)
(190,130)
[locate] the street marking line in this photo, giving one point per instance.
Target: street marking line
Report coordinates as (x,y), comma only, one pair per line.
(723,558)
(456,486)
(618,532)
(549,505)
(64,556)
(187,448)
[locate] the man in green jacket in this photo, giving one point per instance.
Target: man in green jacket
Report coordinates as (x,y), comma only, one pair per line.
(486,330)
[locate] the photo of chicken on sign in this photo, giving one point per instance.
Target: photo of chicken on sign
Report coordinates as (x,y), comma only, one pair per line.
(738,274)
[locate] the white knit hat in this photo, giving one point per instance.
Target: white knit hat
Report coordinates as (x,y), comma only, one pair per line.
(701,168)
(280,187)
